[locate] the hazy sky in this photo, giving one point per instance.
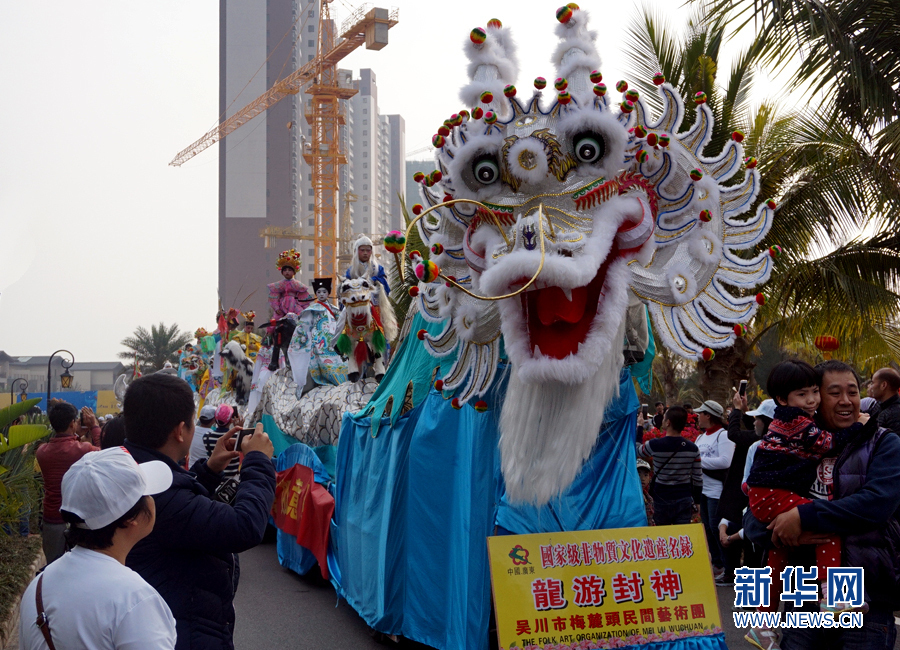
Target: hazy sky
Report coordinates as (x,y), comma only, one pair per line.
(97,233)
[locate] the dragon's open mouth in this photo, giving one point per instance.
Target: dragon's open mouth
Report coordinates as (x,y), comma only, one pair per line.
(558,325)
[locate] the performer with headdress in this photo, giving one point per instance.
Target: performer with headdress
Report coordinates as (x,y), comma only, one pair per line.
(322,288)
(288,296)
(364,264)
(250,342)
(311,350)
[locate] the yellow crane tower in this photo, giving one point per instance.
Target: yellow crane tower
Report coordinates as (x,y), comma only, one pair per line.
(366,25)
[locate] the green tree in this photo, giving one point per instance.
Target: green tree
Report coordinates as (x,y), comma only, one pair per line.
(829,186)
(400,297)
(152,349)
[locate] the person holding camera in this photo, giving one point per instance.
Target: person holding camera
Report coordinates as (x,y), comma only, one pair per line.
(189,556)
(55,457)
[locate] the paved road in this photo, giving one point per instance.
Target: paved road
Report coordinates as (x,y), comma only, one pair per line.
(277,609)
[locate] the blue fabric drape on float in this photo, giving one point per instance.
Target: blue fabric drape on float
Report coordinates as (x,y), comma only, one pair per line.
(414,505)
(290,554)
(607,492)
(415,502)
(280,440)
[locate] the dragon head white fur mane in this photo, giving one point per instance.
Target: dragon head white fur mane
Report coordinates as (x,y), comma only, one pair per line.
(603,208)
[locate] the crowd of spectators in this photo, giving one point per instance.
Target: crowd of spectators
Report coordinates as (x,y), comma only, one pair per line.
(808,476)
(145,571)
(819,486)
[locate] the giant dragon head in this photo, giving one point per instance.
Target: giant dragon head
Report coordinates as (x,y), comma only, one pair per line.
(548,218)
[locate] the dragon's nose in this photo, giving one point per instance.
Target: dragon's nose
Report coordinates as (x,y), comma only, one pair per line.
(527,160)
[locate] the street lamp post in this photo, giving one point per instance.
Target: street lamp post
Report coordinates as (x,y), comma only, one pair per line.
(12,387)
(65,379)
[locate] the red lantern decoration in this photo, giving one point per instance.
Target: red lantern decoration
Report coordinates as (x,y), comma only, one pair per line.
(826,345)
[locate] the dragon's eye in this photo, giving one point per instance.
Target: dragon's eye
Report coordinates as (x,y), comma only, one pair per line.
(589,147)
(486,169)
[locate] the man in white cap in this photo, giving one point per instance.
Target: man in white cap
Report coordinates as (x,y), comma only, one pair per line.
(364,264)
(716,451)
(88,598)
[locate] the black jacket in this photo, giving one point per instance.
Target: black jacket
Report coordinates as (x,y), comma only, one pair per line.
(866,512)
(733,500)
(188,558)
(888,415)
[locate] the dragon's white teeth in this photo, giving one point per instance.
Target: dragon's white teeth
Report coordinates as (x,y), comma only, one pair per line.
(537,352)
(568,293)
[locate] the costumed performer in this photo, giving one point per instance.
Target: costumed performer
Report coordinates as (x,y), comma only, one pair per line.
(311,345)
(225,322)
(364,264)
(288,296)
(261,373)
(250,342)
(184,355)
(228,323)
(322,289)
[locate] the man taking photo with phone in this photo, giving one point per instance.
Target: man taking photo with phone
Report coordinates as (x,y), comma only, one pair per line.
(188,558)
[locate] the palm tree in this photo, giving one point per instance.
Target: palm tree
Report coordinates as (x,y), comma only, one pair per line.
(829,186)
(400,297)
(152,349)
(850,52)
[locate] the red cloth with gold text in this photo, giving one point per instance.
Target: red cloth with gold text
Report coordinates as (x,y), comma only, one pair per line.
(303,508)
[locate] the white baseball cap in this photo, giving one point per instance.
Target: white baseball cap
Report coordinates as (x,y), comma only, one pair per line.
(767,409)
(207,412)
(103,485)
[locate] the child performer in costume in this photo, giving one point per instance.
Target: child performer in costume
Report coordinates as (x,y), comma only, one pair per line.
(311,349)
(784,469)
(288,296)
(364,264)
(250,342)
(322,288)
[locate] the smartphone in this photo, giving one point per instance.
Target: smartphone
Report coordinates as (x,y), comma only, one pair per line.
(742,389)
(645,410)
(245,433)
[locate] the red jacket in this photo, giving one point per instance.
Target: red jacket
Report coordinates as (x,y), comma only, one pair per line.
(55,457)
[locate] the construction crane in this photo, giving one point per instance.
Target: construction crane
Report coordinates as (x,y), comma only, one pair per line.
(271,233)
(346,251)
(366,25)
(414,152)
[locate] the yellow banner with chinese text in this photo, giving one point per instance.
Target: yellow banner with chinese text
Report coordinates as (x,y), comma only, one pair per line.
(636,584)
(107,403)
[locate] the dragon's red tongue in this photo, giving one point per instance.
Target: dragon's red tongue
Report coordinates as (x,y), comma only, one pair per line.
(553,305)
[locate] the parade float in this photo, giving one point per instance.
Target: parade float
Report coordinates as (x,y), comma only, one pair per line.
(562,230)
